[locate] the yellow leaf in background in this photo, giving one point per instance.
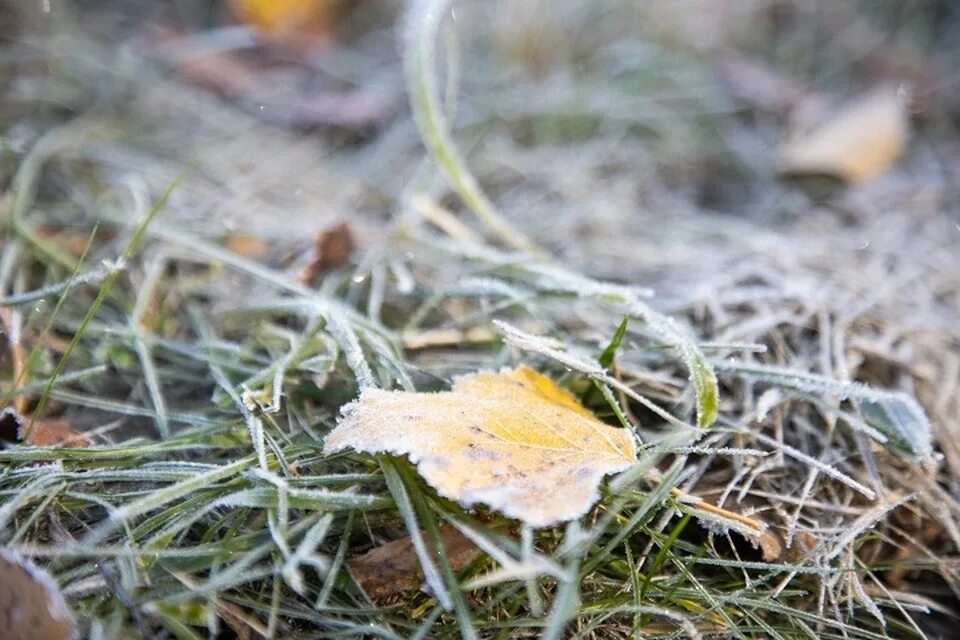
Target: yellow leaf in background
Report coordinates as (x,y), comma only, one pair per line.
(283,18)
(857,143)
(512,440)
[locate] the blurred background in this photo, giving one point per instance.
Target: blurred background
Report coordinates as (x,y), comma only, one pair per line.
(696,147)
(596,116)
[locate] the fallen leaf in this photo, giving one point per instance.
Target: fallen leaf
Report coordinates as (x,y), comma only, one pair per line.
(902,420)
(803,543)
(857,143)
(56,433)
(301,24)
(224,73)
(242,623)
(247,245)
(45,433)
(393,567)
(771,548)
(31,606)
(332,248)
(513,440)
(75,241)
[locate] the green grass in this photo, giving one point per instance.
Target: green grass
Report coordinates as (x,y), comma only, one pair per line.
(208,379)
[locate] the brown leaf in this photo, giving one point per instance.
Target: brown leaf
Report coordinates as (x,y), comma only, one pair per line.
(393,567)
(225,73)
(803,543)
(513,440)
(45,433)
(770,546)
(247,245)
(332,248)
(31,606)
(57,433)
(857,143)
(75,241)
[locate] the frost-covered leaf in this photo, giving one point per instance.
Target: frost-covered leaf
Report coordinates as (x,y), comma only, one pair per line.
(902,420)
(31,606)
(512,440)
(856,143)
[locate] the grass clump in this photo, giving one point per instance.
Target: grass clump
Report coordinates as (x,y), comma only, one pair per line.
(207,377)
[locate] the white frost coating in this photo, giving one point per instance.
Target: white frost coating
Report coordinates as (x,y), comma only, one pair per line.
(513,441)
(489,286)
(822,467)
(861,524)
(553,349)
(896,415)
(346,337)
(548,347)
(21,578)
(95,276)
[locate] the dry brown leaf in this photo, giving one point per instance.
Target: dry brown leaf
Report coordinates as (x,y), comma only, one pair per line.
(771,548)
(74,240)
(31,607)
(225,73)
(857,143)
(393,567)
(57,433)
(512,440)
(242,623)
(45,433)
(803,543)
(247,245)
(332,248)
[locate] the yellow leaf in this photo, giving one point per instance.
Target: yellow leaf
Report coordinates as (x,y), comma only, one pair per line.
(283,18)
(512,440)
(857,143)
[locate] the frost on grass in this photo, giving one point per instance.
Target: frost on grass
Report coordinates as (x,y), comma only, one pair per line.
(892,417)
(512,440)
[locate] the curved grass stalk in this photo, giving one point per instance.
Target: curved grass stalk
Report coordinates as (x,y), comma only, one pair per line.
(422,29)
